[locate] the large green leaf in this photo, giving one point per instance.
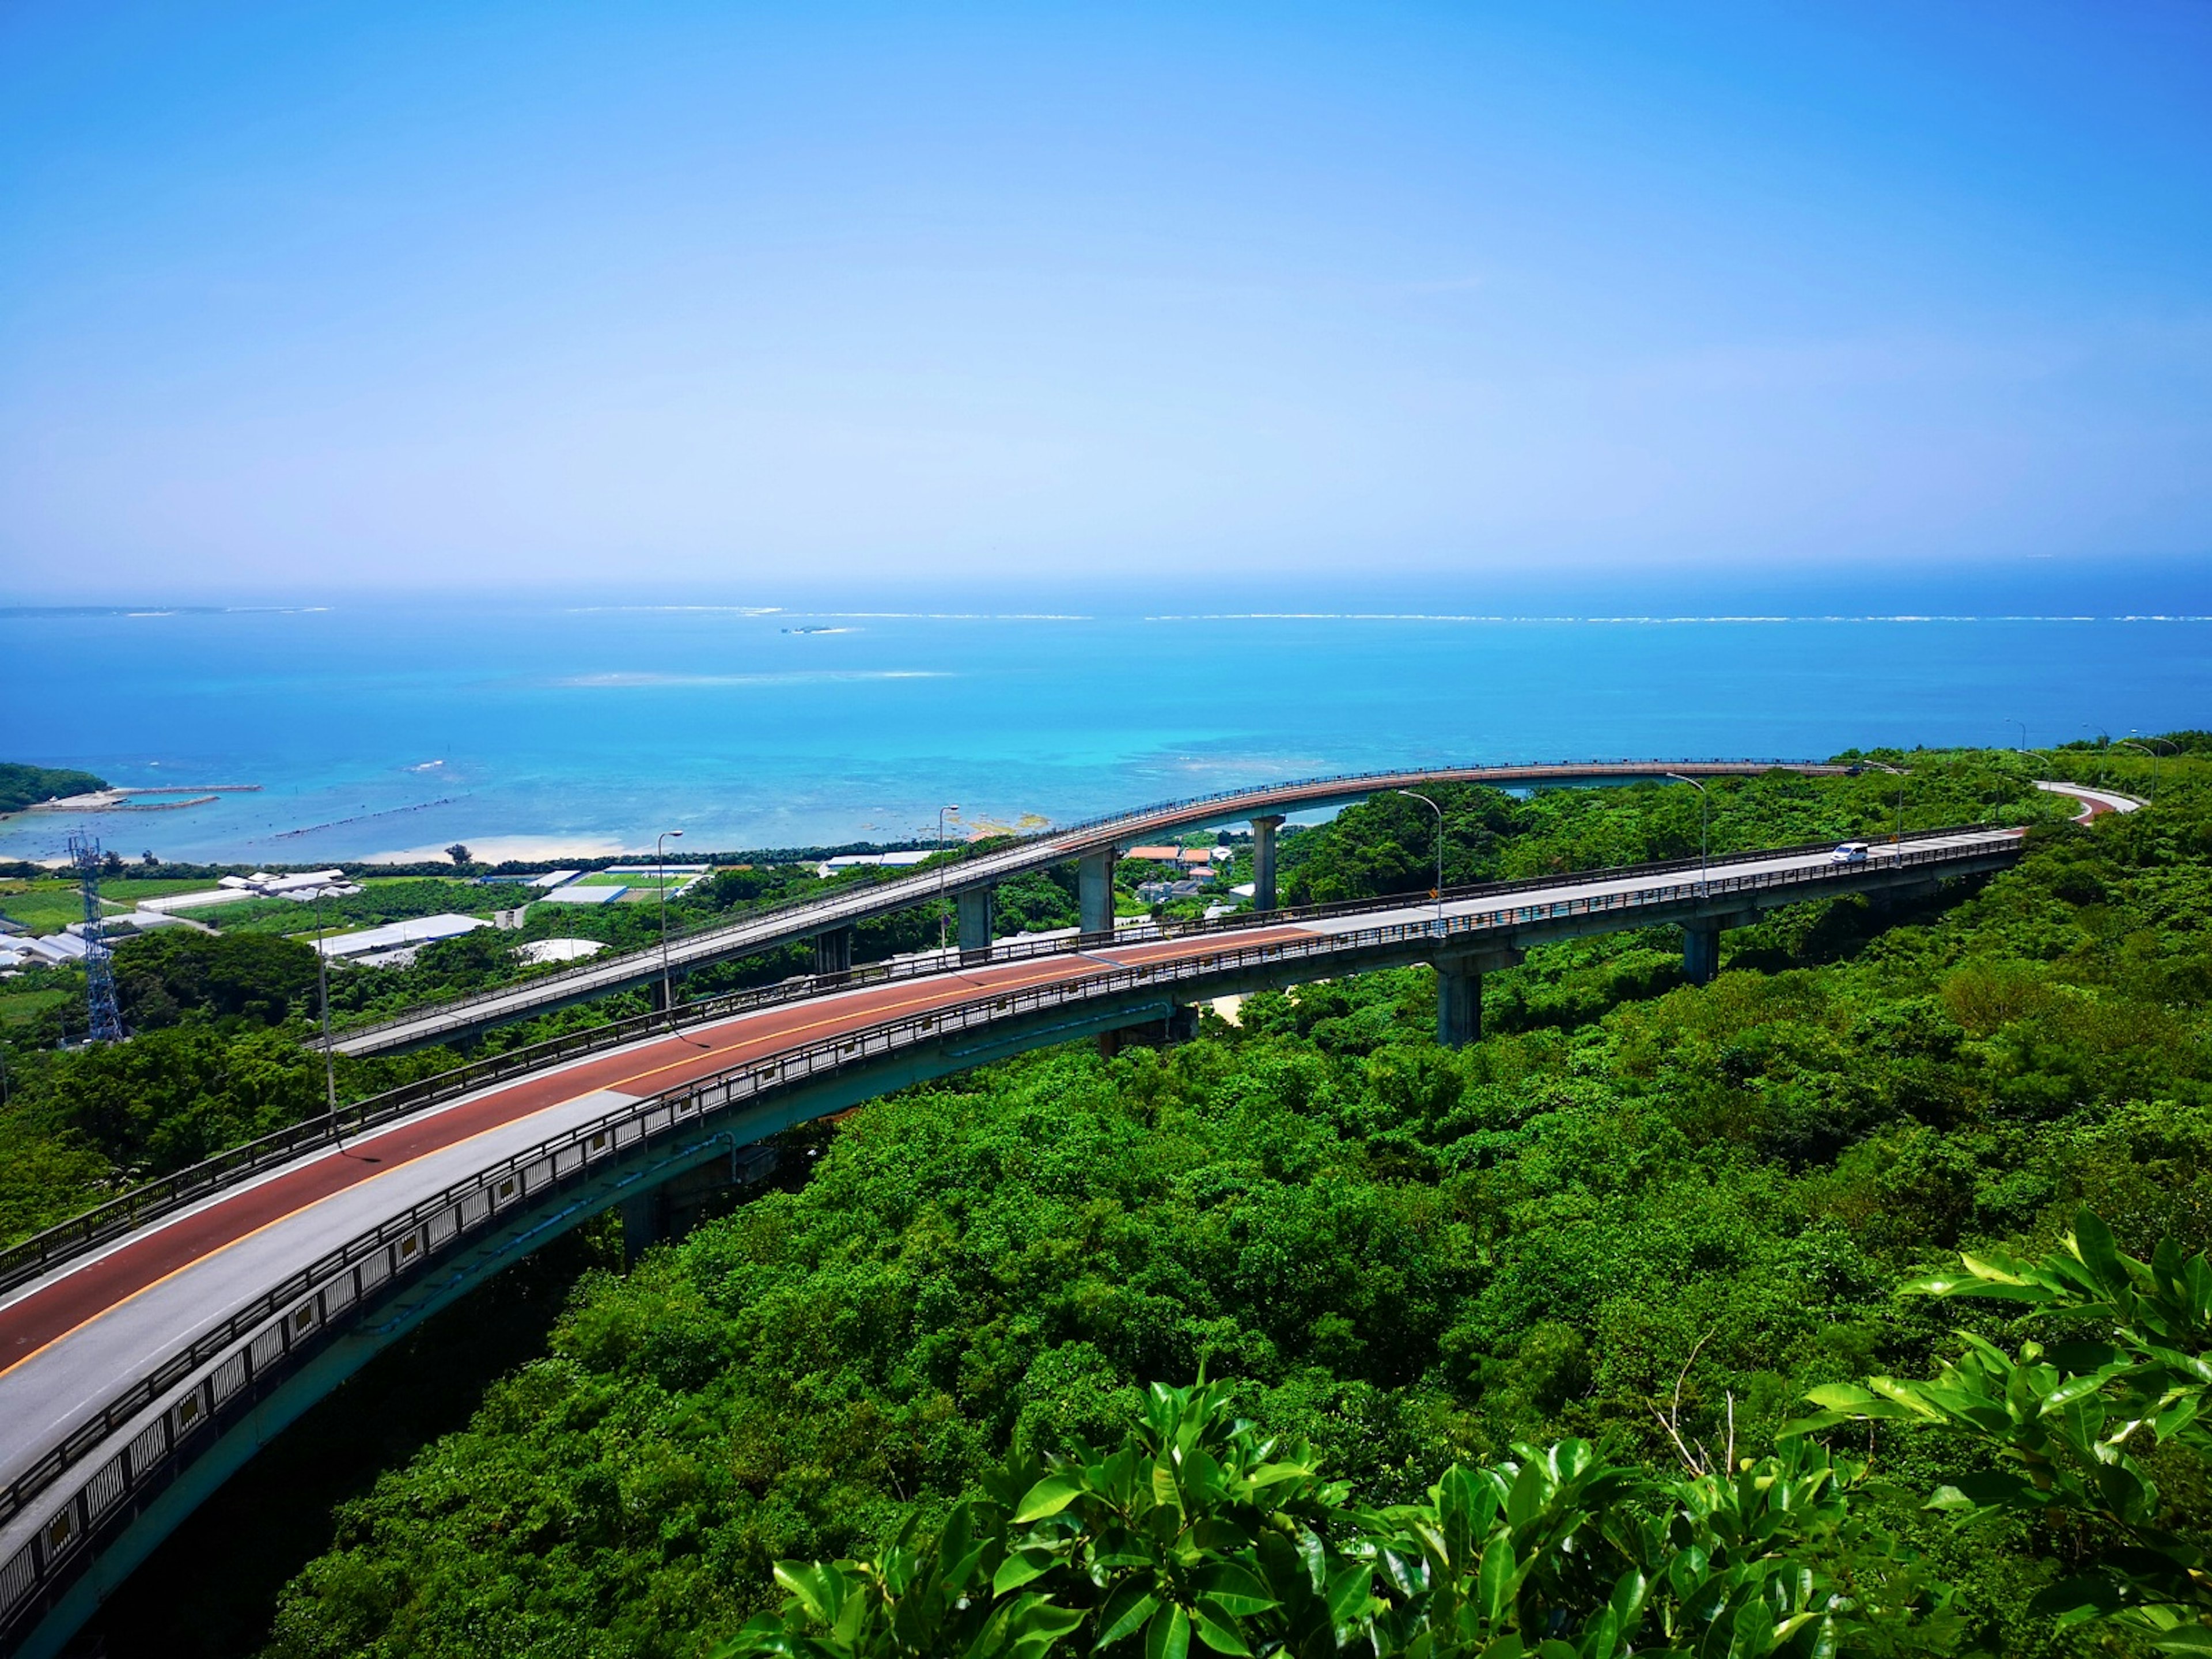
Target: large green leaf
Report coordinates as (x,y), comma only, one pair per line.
(1168,1636)
(1237,1587)
(1048,1497)
(1020,1567)
(1131,1604)
(820,1587)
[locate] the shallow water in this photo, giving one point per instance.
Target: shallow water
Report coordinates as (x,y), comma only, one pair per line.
(529,729)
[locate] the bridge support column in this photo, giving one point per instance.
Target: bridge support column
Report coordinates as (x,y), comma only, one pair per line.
(1095,893)
(1459,992)
(1701,951)
(1263,860)
(1180,1026)
(640,1224)
(975,904)
(1882,900)
(833,952)
(1459,1004)
(678,1204)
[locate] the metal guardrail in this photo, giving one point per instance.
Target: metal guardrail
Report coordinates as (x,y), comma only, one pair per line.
(28,1258)
(280,1328)
(1018,852)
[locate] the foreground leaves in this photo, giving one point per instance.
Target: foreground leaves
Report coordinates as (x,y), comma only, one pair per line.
(2066,1425)
(1198,1535)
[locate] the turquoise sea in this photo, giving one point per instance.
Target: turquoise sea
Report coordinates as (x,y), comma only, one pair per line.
(530,728)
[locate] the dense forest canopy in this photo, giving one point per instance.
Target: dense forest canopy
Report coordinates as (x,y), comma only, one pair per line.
(20,785)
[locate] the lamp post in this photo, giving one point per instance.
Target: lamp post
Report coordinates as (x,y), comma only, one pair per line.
(1439,812)
(660,879)
(2023,734)
(941,812)
(1900,775)
(1704,826)
(2131,743)
(323,986)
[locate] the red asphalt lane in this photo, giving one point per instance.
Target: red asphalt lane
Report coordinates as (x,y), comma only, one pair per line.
(54,1309)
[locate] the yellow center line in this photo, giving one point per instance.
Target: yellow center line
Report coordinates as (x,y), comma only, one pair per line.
(293,1214)
(1017,978)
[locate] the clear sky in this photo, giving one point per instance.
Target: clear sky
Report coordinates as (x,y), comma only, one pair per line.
(314,297)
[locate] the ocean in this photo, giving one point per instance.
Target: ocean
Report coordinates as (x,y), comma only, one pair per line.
(537,727)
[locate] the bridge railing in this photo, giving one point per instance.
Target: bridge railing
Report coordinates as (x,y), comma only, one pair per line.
(150,1201)
(231,1365)
(1134,821)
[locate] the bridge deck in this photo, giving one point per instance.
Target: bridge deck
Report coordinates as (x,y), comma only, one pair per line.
(74,1339)
(765,931)
(66,1339)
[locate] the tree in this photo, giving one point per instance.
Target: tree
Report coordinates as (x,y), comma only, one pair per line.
(459,851)
(1199,1534)
(2068,1425)
(257,977)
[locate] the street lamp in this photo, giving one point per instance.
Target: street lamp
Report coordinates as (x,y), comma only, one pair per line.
(2129,743)
(1439,812)
(660,879)
(941,812)
(1900,775)
(329,1066)
(1705,824)
(323,985)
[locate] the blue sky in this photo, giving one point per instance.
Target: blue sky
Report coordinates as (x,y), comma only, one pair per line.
(309,298)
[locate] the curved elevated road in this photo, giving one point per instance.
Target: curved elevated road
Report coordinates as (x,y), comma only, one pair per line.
(787,925)
(135,1376)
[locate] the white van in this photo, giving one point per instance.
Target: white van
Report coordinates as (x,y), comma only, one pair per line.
(1851,852)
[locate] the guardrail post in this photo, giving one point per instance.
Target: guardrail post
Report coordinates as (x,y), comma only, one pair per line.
(1263,860)
(833,952)
(1095,894)
(974,907)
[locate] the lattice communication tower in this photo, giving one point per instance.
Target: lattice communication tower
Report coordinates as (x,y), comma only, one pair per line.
(99,973)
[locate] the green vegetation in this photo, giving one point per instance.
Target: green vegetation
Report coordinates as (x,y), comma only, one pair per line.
(1639,1215)
(228,977)
(131,890)
(20,1008)
(1197,1533)
(375,904)
(1389,845)
(1638,1223)
(42,907)
(23,785)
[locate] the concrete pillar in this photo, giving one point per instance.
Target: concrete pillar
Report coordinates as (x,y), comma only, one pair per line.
(1263,860)
(656,993)
(1459,1004)
(833,952)
(1095,893)
(975,904)
(640,1224)
(1180,1026)
(1701,951)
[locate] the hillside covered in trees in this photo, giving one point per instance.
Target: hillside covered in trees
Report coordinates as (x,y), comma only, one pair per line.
(23,785)
(1640,1215)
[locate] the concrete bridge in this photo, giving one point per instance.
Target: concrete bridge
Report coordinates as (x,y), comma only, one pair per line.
(145,1356)
(828,921)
